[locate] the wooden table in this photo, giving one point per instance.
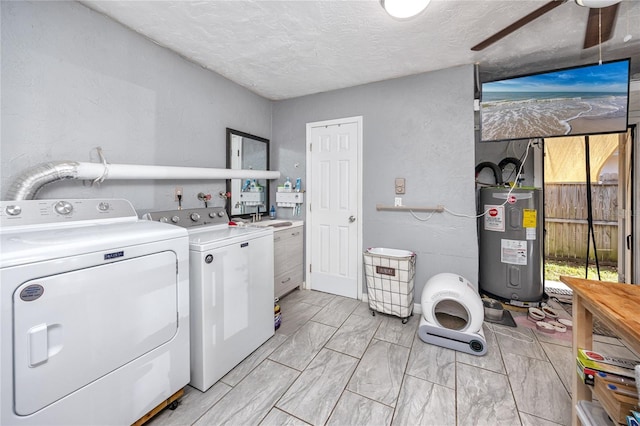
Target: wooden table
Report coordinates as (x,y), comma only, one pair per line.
(616,305)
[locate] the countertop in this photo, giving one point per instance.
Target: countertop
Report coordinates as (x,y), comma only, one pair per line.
(277,224)
(614,303)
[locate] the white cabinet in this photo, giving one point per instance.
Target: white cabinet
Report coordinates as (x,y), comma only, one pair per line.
(288,266)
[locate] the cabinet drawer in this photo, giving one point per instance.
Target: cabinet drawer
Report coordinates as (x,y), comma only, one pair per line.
(280,237)
(287,251)
(286,258)
(287,281)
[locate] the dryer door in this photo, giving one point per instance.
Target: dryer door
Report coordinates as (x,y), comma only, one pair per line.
(72,328)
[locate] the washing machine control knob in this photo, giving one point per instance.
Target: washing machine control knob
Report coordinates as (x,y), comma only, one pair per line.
(220,213)
(212,215)
(164,219)
(63,207)
(103,206)
(195,217)
(13,210)
(175,219)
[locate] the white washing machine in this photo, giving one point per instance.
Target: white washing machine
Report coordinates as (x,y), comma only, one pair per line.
(94,313)
(231,279)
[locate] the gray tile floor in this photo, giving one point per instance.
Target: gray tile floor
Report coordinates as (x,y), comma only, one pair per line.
(333,363)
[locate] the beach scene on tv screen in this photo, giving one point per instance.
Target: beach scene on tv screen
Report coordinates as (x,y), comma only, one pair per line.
(575,101)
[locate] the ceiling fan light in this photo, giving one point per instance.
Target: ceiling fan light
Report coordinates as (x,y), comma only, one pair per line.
(404,9)
(597,4)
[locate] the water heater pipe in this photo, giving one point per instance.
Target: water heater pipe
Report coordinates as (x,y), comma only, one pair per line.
(28,183)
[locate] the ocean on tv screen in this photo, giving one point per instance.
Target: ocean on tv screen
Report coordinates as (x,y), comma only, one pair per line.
(577,101)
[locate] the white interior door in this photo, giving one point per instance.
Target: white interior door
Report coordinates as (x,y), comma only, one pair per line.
(334,228)
(634,206)
(625,220)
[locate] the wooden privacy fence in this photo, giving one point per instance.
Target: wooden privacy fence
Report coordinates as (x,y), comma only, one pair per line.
(566,221)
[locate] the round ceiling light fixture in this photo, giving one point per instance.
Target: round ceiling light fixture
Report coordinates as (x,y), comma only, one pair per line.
(597,4)
(404,9)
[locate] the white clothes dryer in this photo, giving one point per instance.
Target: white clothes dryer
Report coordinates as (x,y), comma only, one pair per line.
(232,295)
(94,312)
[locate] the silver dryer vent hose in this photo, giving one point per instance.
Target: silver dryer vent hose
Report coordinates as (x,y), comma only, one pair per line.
(30,181)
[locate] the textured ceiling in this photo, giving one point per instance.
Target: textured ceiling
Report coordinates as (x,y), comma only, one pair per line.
(286,49)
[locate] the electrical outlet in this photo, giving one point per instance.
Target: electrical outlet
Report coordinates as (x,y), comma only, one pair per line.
(178,191)
(400,185)
(398,202)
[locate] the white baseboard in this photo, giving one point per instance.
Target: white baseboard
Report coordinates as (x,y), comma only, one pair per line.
(417,308)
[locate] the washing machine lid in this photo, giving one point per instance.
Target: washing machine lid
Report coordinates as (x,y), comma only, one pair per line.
(25,246)
(205,239)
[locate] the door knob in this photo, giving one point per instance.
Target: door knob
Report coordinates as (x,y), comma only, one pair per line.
(352,219)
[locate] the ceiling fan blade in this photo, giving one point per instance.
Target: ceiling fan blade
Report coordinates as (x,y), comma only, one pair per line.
(597,31)
(518,24)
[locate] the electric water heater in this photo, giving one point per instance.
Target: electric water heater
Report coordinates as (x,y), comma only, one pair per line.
(511,246)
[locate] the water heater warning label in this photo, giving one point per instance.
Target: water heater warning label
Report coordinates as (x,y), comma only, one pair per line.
(529,217)
(494,219)
(513,252)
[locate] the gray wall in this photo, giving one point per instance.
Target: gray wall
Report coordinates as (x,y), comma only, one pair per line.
(73,79)
(419,128)
(497,151)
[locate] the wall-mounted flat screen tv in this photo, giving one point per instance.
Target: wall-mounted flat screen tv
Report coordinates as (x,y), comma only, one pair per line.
(590,99)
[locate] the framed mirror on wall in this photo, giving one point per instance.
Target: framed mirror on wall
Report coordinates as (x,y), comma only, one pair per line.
(247,152)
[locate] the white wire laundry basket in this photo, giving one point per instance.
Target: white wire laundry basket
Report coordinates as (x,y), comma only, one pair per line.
(390,274)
